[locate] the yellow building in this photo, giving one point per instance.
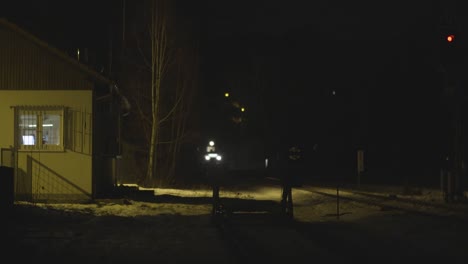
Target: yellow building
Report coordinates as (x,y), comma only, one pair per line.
(59,121)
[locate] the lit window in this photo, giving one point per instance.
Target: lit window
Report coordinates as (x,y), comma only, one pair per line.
(40,128)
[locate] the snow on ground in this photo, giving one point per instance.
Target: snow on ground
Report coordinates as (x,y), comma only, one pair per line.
(176,227)
(318,205)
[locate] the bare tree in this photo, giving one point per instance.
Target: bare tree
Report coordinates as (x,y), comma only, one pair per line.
(162,80)
(158,66)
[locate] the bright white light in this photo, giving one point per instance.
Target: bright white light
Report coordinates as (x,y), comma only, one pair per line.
(44,125)
(266,163)
(28,140)
(210,156)
(211,143)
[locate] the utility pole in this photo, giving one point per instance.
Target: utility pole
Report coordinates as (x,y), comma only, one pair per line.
(452,63)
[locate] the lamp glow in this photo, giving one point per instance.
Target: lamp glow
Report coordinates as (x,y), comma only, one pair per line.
(450,38)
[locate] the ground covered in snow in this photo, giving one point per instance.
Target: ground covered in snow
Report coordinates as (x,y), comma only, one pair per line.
(330,225)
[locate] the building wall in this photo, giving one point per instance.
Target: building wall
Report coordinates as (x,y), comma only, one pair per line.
(27,63)
(33,73)
(43,175)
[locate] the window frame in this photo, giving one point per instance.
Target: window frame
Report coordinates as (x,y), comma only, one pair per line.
(39,112)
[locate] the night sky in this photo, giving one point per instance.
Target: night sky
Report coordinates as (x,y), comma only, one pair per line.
(363,74)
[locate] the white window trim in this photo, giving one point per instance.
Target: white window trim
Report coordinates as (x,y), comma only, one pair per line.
(38,111)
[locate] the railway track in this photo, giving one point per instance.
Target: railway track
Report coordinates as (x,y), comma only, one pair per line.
(268,236)
(389,201)
(257,231)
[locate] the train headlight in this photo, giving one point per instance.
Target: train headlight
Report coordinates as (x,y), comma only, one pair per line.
(210,156)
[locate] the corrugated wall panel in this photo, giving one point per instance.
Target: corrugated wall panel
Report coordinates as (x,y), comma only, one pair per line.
(3,48)
(24,65)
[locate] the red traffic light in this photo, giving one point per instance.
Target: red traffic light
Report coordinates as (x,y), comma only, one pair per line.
(450,38)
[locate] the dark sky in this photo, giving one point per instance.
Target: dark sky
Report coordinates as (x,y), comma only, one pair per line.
(336,21)
(359,41)
(380,57)
(66,25)
(346,30)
